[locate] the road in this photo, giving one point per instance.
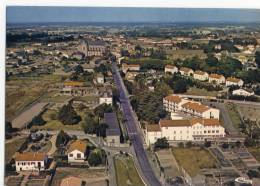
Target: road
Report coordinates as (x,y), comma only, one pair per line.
(134,132)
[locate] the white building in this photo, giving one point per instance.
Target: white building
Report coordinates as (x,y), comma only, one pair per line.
(130,67)
(186,71)
(77,152)
(106,98)
(173,103)
(199,75)
(30,161)
(242,92)
(100,78)
(234,81)
(216,79)
(170,69)
(196,129)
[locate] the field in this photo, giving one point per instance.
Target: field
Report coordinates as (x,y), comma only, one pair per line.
(180,54)
(233,114)
(249,111)
(193,159)
(11,147)
(90,176)
(22,91)
(201,92)
(255,151)
(126,173)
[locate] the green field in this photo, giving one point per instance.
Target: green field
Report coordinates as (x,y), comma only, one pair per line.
(126,173)
(11,147)
(201,92)
(233,114)
(186,53)
(194,159)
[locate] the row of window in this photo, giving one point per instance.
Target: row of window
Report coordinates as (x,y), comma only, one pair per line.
(28,163)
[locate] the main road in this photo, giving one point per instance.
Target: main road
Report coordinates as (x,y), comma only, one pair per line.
(134,131)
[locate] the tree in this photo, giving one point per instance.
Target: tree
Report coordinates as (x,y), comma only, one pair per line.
(90,123)
(161,143)
(253,174)
(62,139)
(37,120)
(257,58)
(68,116)
(207,144)
(225,145)
(95,158)
(79,69)
(180,86)
(101,109)
(101,129)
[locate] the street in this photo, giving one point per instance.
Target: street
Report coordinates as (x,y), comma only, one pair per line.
(134,132)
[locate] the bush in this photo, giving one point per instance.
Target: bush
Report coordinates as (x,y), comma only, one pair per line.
(95,158)
(62,139)
(225,145)
(253,174)
(161,143)
(38,121)
(207,144)
(181,145)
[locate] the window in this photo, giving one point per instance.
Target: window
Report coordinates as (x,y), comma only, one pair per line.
(208,131)
(213,131)
(205,131)
(70,155)
(217,131)
(78,155)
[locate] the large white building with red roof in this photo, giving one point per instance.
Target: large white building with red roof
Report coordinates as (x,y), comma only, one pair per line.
(195,129)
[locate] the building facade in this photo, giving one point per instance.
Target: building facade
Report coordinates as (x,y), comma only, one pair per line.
(234,81)
(202,76)
(77,152)
(216,79)
(170,69)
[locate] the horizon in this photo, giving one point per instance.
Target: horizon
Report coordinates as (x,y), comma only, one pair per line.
(44,14)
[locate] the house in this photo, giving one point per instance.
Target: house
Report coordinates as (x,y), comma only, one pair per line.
(195,129)
(76,88)
(30,161)
(113,130)
(130,67)
(77,152)
(130,75)
(107,98)
(234,81)
(93,48)
(186,71)
(170,69)
(200,75)
(100,78)
(216,79)
(77,55)
(242,92)
(71,180)
(174,103)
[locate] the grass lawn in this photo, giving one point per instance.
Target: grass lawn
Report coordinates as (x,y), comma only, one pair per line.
(126,173)
(201,92)
(193,159)
(249,111)
(186,53)
(11,147)
(255,151)
(233,114)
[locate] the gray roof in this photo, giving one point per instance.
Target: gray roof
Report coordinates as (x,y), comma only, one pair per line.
(113,126)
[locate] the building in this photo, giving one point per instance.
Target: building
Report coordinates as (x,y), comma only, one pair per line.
(195,129)
(130,76)
(130,67)
(186,71)
(100,78)
(216,79)
(75,88)
(170,69)
(242,92)
(234,81)
(93,48)
(200,75)
(106,98)
(113,130)
(30,161)
(71,180)
(77,152)
(174,103)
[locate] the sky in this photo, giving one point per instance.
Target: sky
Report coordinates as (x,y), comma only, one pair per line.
(40,14)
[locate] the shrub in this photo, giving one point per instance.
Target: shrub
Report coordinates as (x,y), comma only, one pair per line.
(95,158)
(207,144)
(161,143)
(68,115)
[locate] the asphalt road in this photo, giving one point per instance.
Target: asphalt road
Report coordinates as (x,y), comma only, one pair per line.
(134,133)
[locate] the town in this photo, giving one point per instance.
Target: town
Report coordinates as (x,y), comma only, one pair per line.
(132,104)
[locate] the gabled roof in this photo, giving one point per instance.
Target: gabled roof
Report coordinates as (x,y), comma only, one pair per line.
(130,65)
(232,79)
(73,83)
(30,156)
(170,66)
(78,145)
(196,107)
(189,122)
(172,98)
(198,72)
(215,76)
(185,69)
(153,128)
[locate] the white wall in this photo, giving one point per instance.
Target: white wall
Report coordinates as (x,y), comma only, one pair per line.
(74,157)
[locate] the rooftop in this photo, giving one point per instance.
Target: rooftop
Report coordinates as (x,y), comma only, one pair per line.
(185,69)
(78,145)
(153,128)
(198,107)
(232,79)
(216,76)
(172,98)
(30,156)
(189,122)
(200,72)
(112,122)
